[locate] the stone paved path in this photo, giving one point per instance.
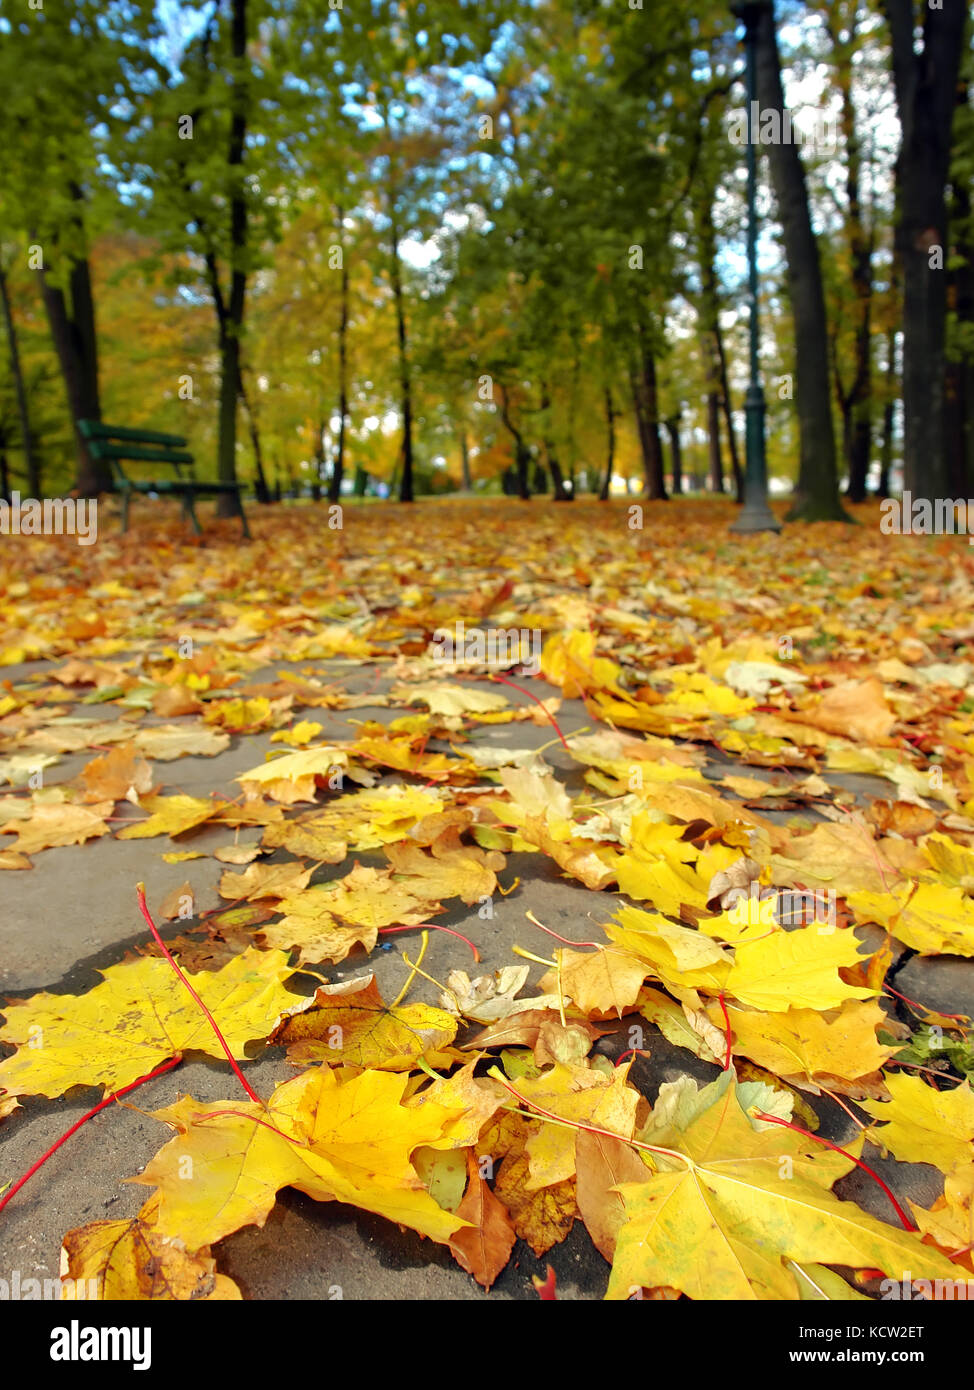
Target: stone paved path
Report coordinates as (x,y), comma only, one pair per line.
(76,912)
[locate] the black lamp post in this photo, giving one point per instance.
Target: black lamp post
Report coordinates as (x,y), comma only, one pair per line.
(755,515)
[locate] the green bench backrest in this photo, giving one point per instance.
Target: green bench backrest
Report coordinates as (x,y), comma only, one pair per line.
(115,442)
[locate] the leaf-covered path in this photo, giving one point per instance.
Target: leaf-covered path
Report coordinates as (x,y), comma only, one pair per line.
(738,773)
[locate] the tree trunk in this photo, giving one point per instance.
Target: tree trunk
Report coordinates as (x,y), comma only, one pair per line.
(73,331)
(960,365)
(231,322)
(260,484)
(817,492)
(610,421)
(713,442)
(4,468)
(712,341)
(522,454)
(646,402)
(889,402)
(925,97)
(725,403)
(405,384)
(673,428)
(465,461)
(562,493)
(27,444)
(338,472)
(319,460)
(856,401)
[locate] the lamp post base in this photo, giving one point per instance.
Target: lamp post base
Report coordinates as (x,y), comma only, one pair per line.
(755,515)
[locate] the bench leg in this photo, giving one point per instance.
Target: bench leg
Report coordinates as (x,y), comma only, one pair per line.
(126,499)
(190,511)
(243,518)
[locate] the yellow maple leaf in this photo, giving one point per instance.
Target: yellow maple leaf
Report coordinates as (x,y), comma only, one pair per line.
(59,824)
(452,870)
(171,815)
(336,1137)
(796,969)
(295,776)
(327,921)
(238,716)
(952,860)
(568,660)
(163,742)
(119,773)
(141,1014)
(733,1204)
(131,1261)
(265,881)
(450,697)
(350,1022)
(802,1044)
(923,1125)
(576,1093)
(475,1099)
(842,856)
(676,888)
(299,735)
(950,1221)
(598,982)
(543,1216)
(930,917)
(684,959)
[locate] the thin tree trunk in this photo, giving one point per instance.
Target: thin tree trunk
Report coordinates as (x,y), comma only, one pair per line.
(406,478)
(725,404)
(260,484)
(610,421)
(4,468)
(926,98)
(27,444)
(817,492)
(562,494)
(522,454)
(712,342)
(713,442)
(886,447)
(465,461)
(647,400)
(338,472)
(319,460)
(673,429)
(231,322)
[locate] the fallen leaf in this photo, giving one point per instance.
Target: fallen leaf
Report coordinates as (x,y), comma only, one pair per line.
(351,1023)
(923,1125)
(139,1016)
(484,1247)
(334,1136)
(171,815)
(179,903)
(734,1203)
(62,824)
(120,774)
(265,881)
(130,1261)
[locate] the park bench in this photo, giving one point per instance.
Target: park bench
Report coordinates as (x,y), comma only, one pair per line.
(114,443)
